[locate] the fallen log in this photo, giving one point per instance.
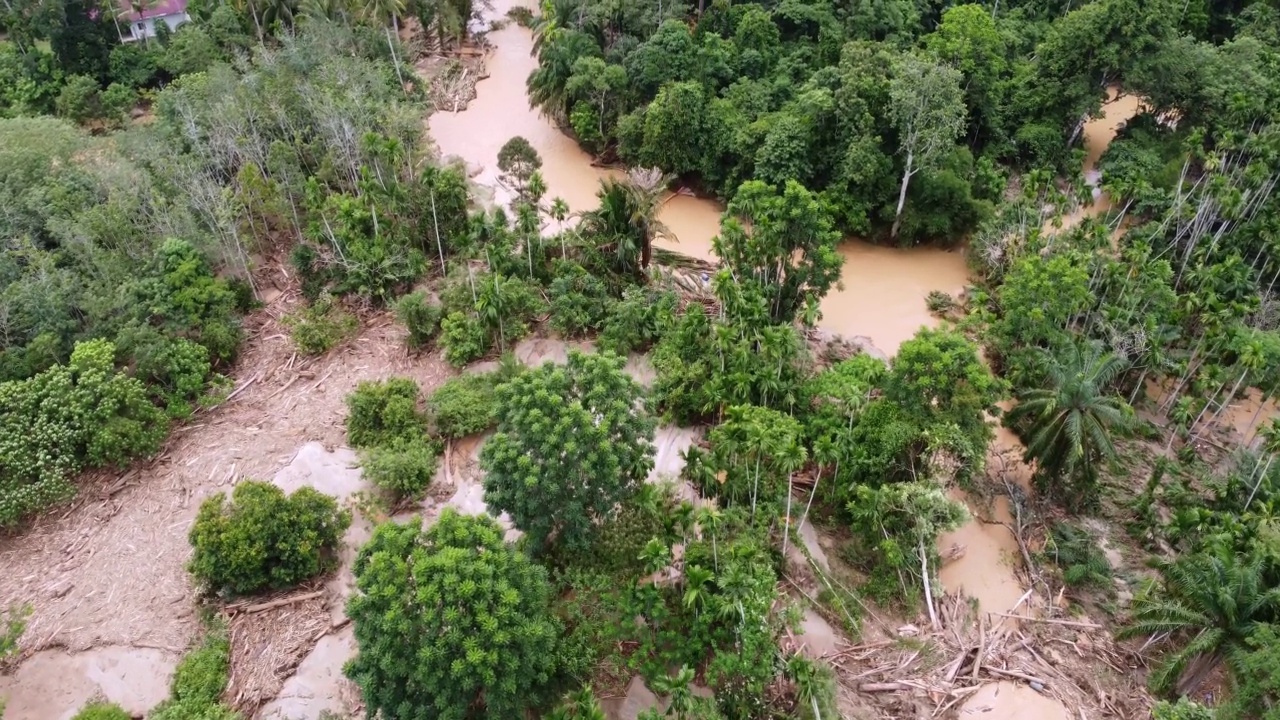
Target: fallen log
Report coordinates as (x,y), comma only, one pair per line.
(279,602)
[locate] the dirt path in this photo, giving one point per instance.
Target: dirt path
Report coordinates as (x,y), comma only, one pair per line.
(110,571)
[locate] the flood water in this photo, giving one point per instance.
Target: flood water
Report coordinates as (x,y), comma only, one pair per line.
(883,289)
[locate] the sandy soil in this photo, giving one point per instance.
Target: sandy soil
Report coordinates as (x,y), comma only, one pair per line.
(110,569)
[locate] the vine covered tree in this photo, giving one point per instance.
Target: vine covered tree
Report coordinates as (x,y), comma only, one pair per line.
(451,622)
(928,109)
(574,442)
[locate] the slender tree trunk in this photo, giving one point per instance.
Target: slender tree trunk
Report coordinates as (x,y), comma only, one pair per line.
(391,46)
(1230,396)
(928,586)
(435,219)
(902,195)
(786,534)
(1261,476)
(1256,414)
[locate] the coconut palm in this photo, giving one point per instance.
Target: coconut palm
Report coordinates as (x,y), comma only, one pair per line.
(1217,599)
(626,222)
(1070,421)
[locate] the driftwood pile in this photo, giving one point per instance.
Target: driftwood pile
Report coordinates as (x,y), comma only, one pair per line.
(269,638)
(930,673)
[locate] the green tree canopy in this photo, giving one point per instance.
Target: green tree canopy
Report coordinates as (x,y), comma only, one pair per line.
(785,243)
(574,442)
(451,623)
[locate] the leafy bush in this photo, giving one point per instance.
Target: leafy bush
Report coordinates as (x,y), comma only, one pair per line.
(102,711)
(68,418)
(449,620)
(175,370)
(464,338)
(579,300)
(635,322)
(383,413)
(12,624)
(321,326)
(198,683)
(404,469)
(420,316)
(264,539)
(182,295)
(465,405)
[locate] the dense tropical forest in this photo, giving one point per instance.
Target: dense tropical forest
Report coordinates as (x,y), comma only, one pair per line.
(1122,322)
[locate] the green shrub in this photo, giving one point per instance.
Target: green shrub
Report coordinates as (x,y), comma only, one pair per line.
(383,412)
(635,322)
(420,316)
(175,370)
(198,683)
(464,338)
(321,326)
(939,302)
(404,469)
(579,300)
(68,418)
(12,624)
(102,711)
(181,295)
(465,405)
(263,539)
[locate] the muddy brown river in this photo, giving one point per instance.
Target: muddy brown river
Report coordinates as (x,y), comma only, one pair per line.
(883,289)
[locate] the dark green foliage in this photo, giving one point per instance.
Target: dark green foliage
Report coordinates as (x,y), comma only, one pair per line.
(317,328)
(451,623)
(753,453)
(1075,552)
(573,443)
(579,301)
(465,405)
(785,243)
(403,469)
(176,371)
(263,539)
(102,711)
(464,338)
(420,316)
(382,413)
(1210,603)
(184,297)
(741,359)
(635,323)
(67,418)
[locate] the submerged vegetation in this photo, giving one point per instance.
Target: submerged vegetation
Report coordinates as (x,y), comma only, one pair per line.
(1114,336)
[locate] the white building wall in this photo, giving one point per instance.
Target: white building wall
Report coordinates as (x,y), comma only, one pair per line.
(147,28)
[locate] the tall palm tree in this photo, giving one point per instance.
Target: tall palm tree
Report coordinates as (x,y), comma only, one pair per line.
(626,222)
(1217,599)
(1070,421)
